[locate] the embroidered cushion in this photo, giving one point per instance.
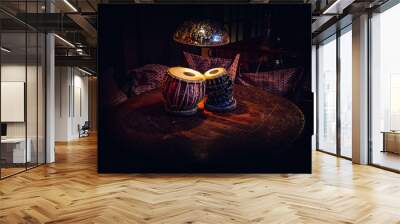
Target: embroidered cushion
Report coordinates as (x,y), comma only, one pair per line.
(280,82)
(147,78)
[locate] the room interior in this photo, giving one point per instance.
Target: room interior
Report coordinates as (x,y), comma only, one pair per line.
(256,53)
(22,102)
(50,131)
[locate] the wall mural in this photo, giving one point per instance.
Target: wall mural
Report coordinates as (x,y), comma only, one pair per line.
(205,88)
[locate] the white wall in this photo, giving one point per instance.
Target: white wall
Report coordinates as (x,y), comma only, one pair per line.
(314,90)
(33,127)
(16,72)
(61,103)
(79,117)
(71,102)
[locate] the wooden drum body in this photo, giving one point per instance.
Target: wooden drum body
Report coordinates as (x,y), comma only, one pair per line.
(219,91)
(183,88)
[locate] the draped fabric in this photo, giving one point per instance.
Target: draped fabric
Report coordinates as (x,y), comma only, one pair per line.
(203,64)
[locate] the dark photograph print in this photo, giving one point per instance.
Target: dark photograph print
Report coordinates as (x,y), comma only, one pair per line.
(205,88)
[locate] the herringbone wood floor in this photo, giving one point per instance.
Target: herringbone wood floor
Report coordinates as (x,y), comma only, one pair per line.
(71,191)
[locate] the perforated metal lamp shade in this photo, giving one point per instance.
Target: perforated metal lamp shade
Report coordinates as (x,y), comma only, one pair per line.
(201,33)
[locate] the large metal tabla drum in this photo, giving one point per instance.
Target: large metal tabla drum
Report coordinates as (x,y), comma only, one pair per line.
(219,91)
(183,88)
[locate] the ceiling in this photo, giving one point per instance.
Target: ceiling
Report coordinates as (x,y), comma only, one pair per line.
(76,21)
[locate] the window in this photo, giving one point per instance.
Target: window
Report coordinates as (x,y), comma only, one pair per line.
(385,89)
(22,77)
(346,92)
(326,137)
(334,106)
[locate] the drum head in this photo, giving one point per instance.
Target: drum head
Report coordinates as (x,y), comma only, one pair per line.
(186,74)
(215,73)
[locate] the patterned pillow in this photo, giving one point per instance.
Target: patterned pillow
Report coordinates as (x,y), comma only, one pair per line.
(280,82)
(147,78)
(202,64)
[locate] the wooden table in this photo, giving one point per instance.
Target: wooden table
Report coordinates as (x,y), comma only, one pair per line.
(261,122)
(391,141)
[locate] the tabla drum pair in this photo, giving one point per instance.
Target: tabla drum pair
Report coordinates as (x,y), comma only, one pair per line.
(219,91)
(183,88)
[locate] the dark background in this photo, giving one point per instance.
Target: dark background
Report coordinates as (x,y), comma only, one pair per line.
(131,36)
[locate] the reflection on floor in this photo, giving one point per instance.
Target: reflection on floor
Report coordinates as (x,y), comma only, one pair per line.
(386,159)
(10,169)
(71,191)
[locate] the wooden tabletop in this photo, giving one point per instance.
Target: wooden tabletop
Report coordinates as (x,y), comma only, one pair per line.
(262,121)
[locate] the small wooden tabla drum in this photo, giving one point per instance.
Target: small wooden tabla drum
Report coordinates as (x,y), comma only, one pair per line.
(183,88)
(219,91)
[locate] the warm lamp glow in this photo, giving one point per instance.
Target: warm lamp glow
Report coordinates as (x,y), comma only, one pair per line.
(201,34)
